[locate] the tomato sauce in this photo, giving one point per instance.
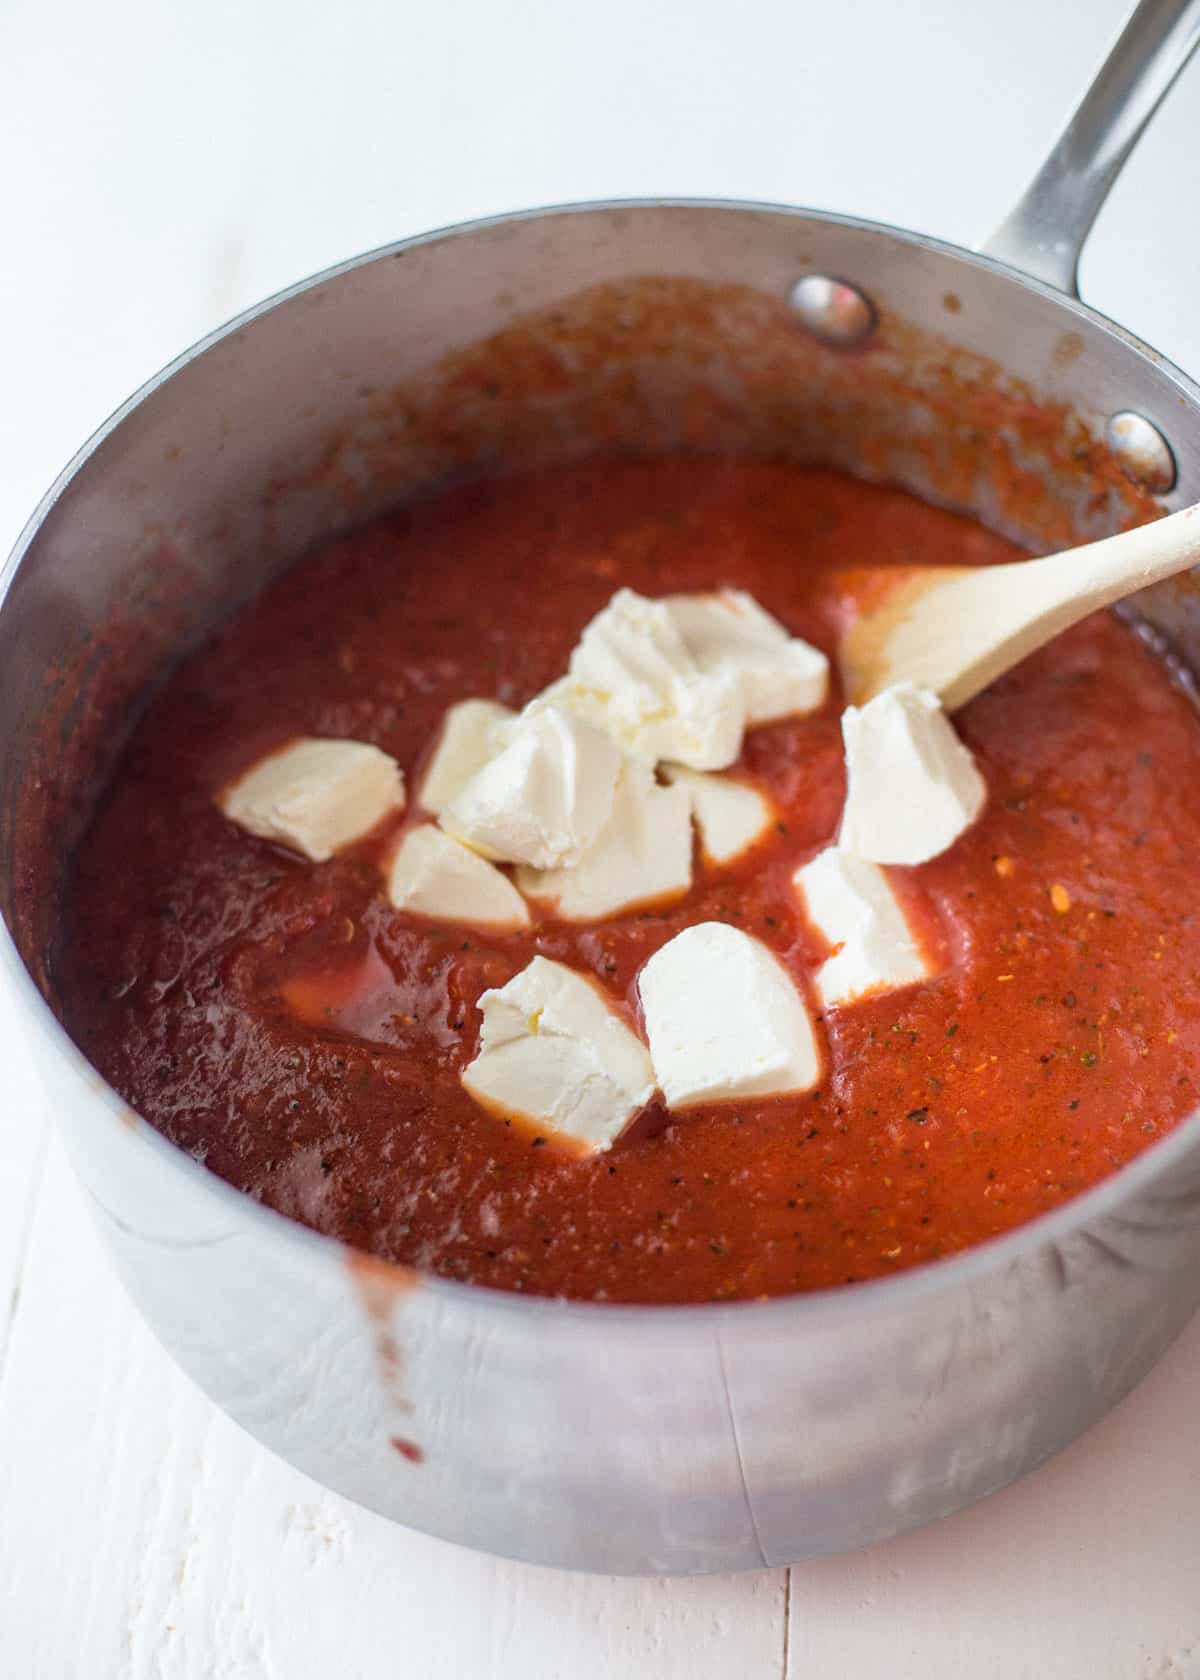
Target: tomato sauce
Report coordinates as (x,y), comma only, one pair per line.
(281,1022)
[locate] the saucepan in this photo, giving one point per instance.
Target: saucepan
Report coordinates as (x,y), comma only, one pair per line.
(624,1439)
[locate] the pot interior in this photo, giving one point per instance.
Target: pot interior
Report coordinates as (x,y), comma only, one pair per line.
(627,330)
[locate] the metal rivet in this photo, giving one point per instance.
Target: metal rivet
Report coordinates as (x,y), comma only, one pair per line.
(1142,451)
(833,310)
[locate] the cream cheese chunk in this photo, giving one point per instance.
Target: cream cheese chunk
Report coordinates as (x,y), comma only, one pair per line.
(441,878)
(642,855)
(780,675)
(852,905)
(724,1019)
(553,1052)
(631,675)
(729,814)
(679,679)
(315,796)
(544,798)
(912,787)
(472,735)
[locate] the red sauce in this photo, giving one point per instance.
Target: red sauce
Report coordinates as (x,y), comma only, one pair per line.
(281,1022)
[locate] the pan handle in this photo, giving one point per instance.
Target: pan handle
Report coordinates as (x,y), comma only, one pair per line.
(1045,231)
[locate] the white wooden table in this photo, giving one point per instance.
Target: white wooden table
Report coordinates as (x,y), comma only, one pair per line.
(165,165)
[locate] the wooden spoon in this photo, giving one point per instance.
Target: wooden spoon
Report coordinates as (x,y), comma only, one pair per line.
(955,629)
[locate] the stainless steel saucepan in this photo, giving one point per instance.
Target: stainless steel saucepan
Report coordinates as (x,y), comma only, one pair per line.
(610,1438)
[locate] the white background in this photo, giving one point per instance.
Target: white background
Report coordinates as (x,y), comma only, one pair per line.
(162,165)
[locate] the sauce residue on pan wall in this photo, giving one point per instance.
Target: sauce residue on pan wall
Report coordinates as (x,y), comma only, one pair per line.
(282,1023)
(379,1286)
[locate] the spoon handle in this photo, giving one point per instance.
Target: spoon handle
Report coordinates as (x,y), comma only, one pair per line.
(954,630)
(1006,612)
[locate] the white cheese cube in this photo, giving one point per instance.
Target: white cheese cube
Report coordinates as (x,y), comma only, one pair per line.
(642,856)
(912,786)
(852,905)
(781,675)
(632,676)
(730,815)
(553,1052)
(724,1019)
(441,878)
(471,737)
(315,796)
(544,798)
